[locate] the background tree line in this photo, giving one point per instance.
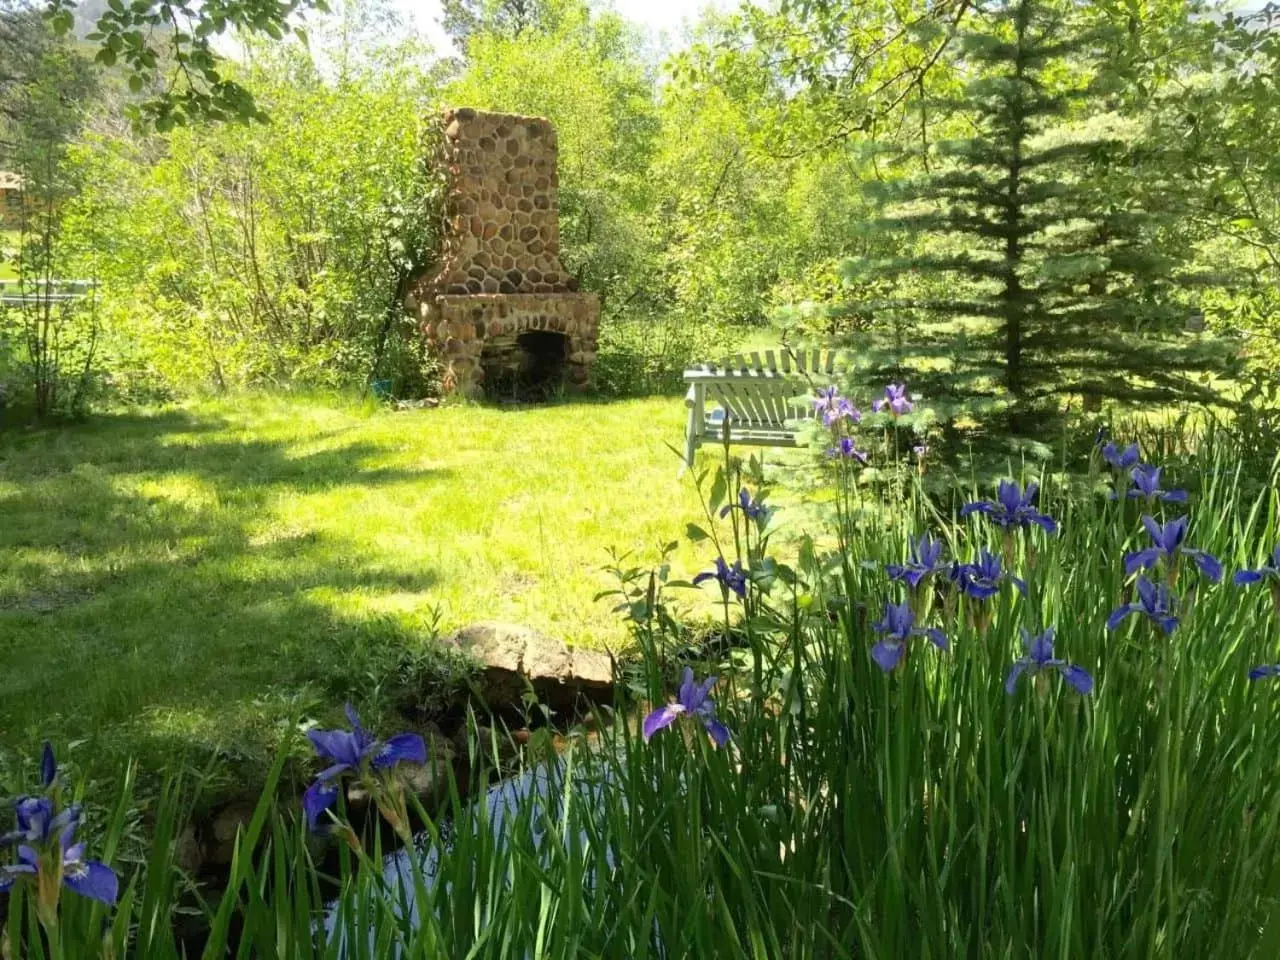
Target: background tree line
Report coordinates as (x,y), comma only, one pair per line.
(839,169)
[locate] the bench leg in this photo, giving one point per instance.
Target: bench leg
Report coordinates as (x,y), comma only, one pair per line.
(691,438)
(695,400)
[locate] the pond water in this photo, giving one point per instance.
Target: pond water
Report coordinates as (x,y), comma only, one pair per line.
(521,806)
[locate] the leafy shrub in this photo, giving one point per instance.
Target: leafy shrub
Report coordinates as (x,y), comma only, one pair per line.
(645,356)
(277,253)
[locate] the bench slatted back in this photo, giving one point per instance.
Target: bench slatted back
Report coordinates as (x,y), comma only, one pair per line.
(815,363)
(758,401)
(760,390)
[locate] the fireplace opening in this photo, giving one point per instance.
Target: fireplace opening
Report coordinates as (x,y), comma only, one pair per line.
(530,366)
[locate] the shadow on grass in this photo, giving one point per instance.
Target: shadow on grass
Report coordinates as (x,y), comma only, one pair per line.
(587,400)
(150,605)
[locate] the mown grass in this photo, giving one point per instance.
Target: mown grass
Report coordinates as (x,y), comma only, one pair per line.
(205,575)
(8,244)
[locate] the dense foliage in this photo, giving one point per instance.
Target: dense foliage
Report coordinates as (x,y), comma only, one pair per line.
(281,252)
(748,178)
(1035,223)
(167,53)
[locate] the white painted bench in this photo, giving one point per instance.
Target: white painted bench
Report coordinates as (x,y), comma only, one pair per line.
(754,396)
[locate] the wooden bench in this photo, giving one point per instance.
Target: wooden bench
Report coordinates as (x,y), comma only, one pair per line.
(16,294)
(754,396)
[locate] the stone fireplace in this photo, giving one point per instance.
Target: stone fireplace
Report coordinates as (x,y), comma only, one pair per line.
(498,309)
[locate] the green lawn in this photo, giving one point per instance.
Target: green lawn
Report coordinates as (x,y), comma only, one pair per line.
(198,575)
(8,242)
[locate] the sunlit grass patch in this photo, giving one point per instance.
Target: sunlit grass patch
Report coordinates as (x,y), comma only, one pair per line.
(203,561)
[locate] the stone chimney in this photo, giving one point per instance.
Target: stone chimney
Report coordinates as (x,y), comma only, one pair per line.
(499,309)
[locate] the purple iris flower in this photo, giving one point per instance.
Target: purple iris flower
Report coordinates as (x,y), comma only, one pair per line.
(924,558)
(846,449)
(826,399)
(693,700)
(88,878)
(895,400)
(46,848)
(1146,485)
(920,450)
(730,578)
(1040,657)
(1013,508)
(37,821)
(841,409)
(1167,540)
(1121,458)
(1268,571)
(1155,601)
(354,752)
(752,509)
(899,626)
(982,578)
(1265,670)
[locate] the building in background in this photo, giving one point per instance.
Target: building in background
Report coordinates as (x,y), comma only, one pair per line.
(10,200)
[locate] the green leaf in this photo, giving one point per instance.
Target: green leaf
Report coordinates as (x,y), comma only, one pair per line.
(695,533)
(719,488)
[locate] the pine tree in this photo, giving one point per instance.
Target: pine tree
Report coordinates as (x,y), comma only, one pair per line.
(1040,243)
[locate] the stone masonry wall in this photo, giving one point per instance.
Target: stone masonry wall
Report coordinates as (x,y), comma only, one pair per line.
(466,328)
(499,272)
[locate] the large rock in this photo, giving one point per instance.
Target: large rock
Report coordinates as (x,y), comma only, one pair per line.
(429,781)
(516,657)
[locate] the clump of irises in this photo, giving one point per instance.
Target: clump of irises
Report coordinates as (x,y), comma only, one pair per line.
(732,579)
(840,416)
(895,401)
(1268,573)
(1121,459)
(1012,510)
(924,560)
(979,580)
(48,855)
(752,508)
(1168,547)
(693,703)
(1039,660)
(1155,602)
(896,630)
(359,756)
(1144,478)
